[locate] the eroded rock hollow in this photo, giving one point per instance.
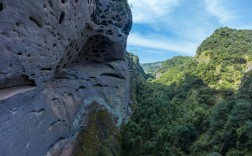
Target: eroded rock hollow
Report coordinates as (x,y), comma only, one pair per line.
(58,58)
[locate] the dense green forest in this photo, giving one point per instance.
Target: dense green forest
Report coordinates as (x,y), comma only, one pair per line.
(199,105)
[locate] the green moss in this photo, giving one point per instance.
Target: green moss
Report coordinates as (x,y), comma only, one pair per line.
(100,137)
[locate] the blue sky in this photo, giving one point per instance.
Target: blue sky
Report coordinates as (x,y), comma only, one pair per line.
(166,28)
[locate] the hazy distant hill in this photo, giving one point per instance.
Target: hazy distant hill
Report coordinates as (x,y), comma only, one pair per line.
(151,67)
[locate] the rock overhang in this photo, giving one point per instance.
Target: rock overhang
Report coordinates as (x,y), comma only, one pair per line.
(39,37)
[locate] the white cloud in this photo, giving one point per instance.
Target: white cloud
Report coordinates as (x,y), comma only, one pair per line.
(145,11)
(162,16)
(156,42)
(137,49)
(216,8)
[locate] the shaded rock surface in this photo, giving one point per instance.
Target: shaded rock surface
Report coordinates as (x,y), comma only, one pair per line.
(57,58)
(136,76)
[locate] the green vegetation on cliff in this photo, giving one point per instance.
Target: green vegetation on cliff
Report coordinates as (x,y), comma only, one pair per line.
(198,106)
(221,60)
(224,57)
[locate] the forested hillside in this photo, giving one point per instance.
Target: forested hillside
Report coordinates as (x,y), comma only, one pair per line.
(224,57)
(199,106)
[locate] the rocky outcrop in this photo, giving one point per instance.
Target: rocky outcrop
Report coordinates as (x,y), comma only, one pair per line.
(136,76)
(58,57)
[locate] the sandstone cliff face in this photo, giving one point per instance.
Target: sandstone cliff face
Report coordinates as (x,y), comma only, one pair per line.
(57,58)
